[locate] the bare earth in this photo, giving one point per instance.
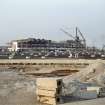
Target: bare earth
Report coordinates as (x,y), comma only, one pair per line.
(99,101)
(18,89)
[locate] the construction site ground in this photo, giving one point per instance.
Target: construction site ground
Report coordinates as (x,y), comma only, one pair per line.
(17,85)
(99,101)
(18,90)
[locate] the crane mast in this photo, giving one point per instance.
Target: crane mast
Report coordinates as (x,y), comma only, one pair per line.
(79,38)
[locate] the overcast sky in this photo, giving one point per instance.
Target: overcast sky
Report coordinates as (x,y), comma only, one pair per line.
(44,18)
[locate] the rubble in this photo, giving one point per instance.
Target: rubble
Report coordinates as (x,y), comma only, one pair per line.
(92,76)
(94,73)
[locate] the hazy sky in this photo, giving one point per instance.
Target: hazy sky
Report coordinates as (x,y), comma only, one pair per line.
(44,18)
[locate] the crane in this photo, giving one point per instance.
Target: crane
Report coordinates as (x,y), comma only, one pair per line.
(83,38)
(67,33)
(76,37)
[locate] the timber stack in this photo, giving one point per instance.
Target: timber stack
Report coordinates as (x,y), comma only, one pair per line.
(49,90)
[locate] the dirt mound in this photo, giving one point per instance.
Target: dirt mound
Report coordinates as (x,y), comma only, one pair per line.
(93,73)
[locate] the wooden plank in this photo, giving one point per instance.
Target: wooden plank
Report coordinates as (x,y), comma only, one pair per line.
(49,100)
(50,93)
(49,83)
(49,88)
(46,93)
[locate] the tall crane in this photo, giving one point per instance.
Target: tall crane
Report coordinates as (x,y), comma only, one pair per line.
(76,37)
(83,38)
(67,33)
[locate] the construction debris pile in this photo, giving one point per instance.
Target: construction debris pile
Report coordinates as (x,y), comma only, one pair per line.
(94,73)
(89,83)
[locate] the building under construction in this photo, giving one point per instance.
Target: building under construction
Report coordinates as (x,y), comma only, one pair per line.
(43,44)
(32,48)
(76,43)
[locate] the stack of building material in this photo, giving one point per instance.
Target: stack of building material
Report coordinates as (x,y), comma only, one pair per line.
(85,94)
(49,90)
(79,90)
(100,90)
